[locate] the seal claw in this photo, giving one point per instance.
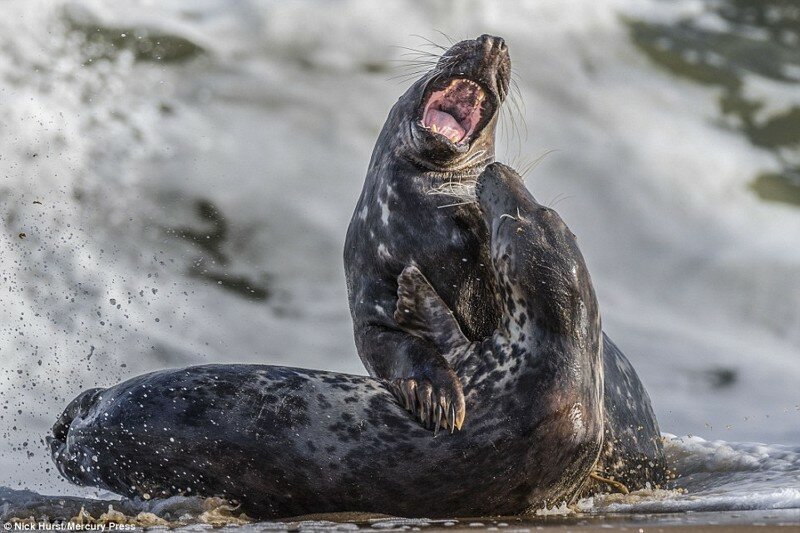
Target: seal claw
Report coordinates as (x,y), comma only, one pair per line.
(434,406)
(614,484)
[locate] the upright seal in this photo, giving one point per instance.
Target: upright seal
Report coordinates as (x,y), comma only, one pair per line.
(438,137)
(286,442)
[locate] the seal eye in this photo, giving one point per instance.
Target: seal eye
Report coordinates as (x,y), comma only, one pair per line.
(455,111)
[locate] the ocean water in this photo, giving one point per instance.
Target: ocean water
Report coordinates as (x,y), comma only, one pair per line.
(176,179)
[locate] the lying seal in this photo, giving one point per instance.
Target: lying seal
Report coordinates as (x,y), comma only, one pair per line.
(286,441)
(438,137)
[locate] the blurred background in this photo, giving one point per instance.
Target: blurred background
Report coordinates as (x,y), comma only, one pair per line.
(177,176)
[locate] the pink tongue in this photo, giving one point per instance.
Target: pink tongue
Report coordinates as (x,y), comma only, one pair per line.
(445,124)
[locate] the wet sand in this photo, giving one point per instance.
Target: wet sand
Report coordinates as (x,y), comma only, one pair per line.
(190,513)
(696,522)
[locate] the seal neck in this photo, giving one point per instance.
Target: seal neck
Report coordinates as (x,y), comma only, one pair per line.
(549,307)
(544,288)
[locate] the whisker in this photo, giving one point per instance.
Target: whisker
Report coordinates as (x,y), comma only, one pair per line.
(555,199)
(449,39)
(411,57)
(429,41)
(401,78)
(538,160)
(562,199)
(461,189)
(518,104)
(511,132)
(411,73)
(408,56)
(417,51)
(516,95)
(464,191)
(405,76)
(474,157)
(409,66)
(526,168)
(506,119)
(405,64)
(457,204)
(519,117)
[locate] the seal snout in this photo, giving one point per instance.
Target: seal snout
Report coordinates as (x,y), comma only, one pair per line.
(501,191)
(496,63)
(77,408)
(60,451)
(491,42)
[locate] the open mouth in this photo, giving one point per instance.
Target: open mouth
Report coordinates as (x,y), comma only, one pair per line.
(456,112)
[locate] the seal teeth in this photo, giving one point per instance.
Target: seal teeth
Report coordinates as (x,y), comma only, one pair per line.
(451,421)
(422,411)
(437,415)
(454,111)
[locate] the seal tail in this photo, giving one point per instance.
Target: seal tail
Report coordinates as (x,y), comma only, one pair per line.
(68,462)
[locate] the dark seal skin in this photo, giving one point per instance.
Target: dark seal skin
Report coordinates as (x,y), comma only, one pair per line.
(397,223)
(286,441)
(402,218)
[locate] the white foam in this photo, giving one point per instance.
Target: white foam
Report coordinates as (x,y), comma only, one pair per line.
(716,476)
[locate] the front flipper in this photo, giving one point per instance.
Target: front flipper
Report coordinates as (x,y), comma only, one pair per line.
(436,397)
(421,312)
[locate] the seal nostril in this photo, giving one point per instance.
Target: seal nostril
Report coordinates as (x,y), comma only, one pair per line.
(490,41)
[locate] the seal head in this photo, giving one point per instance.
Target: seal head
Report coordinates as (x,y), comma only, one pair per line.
(446,120)
(456,114)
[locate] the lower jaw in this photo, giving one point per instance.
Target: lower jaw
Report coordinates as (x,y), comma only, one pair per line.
(446,161)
